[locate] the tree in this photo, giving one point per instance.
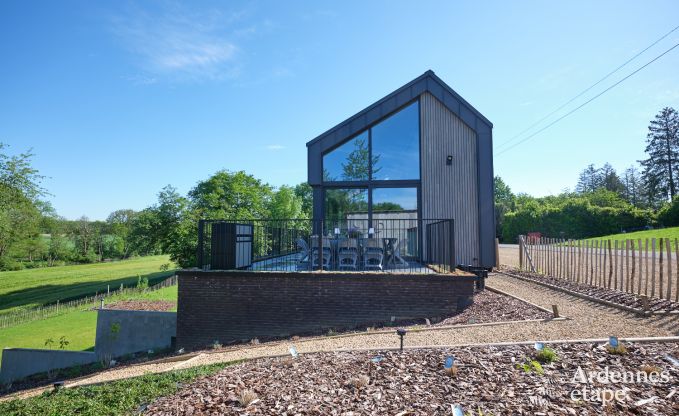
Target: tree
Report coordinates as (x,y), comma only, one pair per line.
(285,204)
(609,179)
(19,218)
(632,186)
(16,172)
(120,225)
(505,202)
(231,195)
(589,180)
(662,146)
(306,194)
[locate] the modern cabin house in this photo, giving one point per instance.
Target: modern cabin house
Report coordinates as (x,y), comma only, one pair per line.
(421,150)
(402,195)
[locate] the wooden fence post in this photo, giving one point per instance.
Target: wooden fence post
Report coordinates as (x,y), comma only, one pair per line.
(652,269)
(676,255)
(669,269)
(615,265)
(521,252)
(661,268)
(631,280)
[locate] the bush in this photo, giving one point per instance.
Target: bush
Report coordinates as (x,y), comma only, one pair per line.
(8,264)
(669,213)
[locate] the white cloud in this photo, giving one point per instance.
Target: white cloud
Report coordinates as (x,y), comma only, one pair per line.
(274,147)
(179,43)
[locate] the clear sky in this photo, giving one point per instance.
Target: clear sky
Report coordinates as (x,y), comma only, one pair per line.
(118,99)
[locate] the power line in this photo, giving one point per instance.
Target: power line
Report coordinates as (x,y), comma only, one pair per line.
(588,101)
(586,89)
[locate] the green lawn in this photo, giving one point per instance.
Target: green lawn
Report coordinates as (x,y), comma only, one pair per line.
(123,397)
(671,233)
(78,326)
(34,287)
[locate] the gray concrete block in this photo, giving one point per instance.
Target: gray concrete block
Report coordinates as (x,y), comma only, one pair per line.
(18,363)
(121,332)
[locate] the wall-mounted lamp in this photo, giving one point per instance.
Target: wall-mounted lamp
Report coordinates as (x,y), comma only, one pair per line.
(449,160)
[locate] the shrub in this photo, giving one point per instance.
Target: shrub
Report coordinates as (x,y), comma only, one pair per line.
(246,397)
(546,355)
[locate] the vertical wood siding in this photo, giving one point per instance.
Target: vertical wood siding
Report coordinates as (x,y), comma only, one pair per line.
(450,191)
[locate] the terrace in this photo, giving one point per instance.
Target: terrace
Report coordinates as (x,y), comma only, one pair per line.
(389,243)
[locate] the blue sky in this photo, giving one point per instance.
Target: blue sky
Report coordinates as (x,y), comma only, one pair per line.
(118,99)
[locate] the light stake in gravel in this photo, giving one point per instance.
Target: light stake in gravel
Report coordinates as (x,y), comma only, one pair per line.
(449,362)
(293,352)
(613,342)
(457,410)
(401,333)
(539,346)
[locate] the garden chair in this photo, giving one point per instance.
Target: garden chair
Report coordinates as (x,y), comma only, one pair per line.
(303,255)
(396,258)
(347,253)
(373,254)
(327,252)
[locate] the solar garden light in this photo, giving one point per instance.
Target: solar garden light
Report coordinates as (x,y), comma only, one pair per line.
(57,385)
(401,333)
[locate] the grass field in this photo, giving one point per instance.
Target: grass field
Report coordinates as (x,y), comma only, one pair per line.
(35,287)
(108,399)
(671,233)
(78,326)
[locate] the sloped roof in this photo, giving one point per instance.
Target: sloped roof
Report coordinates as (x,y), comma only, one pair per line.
(427,82)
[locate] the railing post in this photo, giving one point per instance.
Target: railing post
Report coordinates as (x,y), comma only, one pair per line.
(320,245)
(199,251)
(451,233)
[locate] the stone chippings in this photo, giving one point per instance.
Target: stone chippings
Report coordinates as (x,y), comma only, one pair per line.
(611,295)
(414,382)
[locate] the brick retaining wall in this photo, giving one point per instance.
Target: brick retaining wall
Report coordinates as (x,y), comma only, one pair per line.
(238,306)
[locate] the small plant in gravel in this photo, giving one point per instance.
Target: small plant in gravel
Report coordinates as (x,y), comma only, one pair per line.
(546,355)
(63,342)
(617,350)
(530,366)
(246,397)
(360,382)
(216,345)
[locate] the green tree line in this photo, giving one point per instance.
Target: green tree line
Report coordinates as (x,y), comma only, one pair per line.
(33,235)
(603,202)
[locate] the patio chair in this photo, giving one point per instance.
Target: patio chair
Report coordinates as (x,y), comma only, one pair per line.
(347,254)
(327,252)
(373,254)
(303,255)
(396,258)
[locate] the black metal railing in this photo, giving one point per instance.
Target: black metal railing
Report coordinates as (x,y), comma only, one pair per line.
(383,244)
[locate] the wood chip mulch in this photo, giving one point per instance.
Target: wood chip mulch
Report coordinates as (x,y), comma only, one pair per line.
(494,307)
(611,295)
(143,305)
(414,382)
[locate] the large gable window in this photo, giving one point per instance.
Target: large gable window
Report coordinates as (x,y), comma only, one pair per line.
(389,150)
(349,162)
(396,146)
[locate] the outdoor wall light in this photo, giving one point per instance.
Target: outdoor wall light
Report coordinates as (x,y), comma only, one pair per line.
(449,160)
(401,333)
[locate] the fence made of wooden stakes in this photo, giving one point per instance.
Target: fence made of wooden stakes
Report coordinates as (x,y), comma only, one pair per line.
(27,315)
(639,266)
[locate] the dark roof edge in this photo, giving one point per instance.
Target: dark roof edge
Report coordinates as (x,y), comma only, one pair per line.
(428,74)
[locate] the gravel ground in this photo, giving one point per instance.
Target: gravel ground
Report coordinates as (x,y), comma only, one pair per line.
(611,295)
(494,307)
(415,383)
(144,305)
(587,320)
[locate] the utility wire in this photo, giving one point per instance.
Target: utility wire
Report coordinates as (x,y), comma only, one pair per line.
(588,101)
(587,89)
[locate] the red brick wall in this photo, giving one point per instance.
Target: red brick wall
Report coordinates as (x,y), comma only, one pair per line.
(239,306)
